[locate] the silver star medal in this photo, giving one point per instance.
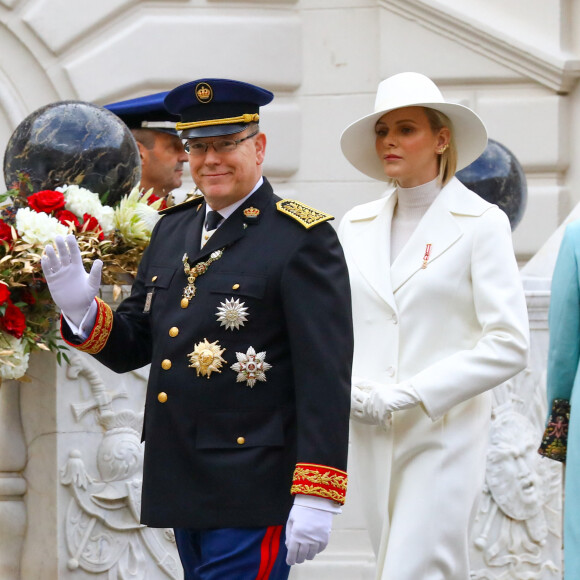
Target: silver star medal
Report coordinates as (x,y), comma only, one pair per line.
(251,367)
(232,314)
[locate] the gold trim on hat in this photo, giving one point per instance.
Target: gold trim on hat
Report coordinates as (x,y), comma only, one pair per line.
(245,118)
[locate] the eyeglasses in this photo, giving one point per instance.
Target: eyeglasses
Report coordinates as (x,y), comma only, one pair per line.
(199,148)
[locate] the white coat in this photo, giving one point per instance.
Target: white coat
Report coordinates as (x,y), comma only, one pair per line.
(453,329)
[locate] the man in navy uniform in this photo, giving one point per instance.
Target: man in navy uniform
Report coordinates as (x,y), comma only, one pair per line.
(160,148)
(242,307)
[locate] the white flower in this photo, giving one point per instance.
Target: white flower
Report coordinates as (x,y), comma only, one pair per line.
(134,218)
(81,201)
(106,218)
(13,359)
(38,228)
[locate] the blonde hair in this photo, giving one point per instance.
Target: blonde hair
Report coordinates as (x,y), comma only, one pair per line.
(447,159)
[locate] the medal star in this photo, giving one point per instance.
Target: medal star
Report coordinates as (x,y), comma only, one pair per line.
(251,367)
(232,314)
(206,358)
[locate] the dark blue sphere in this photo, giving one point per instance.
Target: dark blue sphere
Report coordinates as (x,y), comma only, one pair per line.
(497,176)
(74,143)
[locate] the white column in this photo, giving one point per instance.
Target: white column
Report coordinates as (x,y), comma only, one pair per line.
(12,484)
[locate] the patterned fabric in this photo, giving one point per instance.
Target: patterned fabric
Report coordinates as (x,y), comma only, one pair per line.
(555,439)
(302,213)
(319,480)
(100,333)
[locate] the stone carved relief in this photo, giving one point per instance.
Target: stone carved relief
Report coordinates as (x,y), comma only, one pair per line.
(102,528)
(517,534)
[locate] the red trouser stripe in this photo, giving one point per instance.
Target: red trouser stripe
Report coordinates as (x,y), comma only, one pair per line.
(269,551)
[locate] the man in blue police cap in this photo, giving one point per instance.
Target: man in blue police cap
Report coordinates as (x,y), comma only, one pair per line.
(242,307)
(160,148)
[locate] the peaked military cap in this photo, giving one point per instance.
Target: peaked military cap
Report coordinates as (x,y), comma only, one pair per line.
(146,112)
(212,107)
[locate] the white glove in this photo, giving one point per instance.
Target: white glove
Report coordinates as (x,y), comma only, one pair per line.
(307,533)
(359,409)
(71,288)
(382,400)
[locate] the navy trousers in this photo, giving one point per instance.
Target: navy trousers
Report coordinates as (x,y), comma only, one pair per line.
(233,553)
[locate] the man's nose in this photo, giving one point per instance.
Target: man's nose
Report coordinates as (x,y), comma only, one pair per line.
(212,156)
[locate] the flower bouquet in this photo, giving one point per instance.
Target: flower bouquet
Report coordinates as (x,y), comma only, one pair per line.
(31,220)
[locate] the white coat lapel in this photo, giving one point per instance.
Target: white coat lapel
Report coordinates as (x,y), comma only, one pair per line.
(371,245)
(435,233)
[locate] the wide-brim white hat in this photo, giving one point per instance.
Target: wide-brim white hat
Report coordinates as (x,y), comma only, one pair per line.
(411,89)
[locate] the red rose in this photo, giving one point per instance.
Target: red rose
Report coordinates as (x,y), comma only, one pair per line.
(91,224)
(28,297)
(65,217)
(4,293)
(5,232)
(46,201)
(13,322)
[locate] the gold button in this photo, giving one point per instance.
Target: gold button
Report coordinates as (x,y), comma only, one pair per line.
(184,303)
(154,278)
(241,440)
(235,286)
(166,364)
(162,397)
(173,331)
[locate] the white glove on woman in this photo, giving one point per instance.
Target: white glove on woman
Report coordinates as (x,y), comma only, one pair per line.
(377,401)
(308,528)
(359,409)
(71,288)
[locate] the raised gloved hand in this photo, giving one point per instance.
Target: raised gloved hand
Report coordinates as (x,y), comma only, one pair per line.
(71,288)
(307,533)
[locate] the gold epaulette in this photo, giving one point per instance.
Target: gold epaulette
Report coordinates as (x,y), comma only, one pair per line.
(189,202)
(302,213)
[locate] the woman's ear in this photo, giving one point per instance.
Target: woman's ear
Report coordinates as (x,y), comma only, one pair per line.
(443,138)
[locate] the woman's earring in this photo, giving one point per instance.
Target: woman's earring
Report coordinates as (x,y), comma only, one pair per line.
(442,150)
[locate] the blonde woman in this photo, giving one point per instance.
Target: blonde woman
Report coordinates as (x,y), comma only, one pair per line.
(440,319)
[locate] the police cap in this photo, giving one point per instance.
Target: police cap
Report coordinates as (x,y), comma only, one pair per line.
(212,107)
(146,112)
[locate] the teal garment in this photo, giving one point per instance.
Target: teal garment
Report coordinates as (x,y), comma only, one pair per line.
(564,379)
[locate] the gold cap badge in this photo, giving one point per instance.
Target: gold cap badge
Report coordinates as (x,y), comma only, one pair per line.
(203,93)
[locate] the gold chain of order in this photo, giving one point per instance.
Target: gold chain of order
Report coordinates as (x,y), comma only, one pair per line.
(192,272)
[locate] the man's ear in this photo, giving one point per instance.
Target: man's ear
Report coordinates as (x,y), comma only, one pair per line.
(260,148)
(143,152)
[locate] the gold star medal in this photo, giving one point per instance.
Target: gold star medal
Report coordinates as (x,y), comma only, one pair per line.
(232,314)
(206,358)
(251,367)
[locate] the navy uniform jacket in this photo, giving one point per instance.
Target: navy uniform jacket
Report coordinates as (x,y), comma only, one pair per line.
(219,452)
